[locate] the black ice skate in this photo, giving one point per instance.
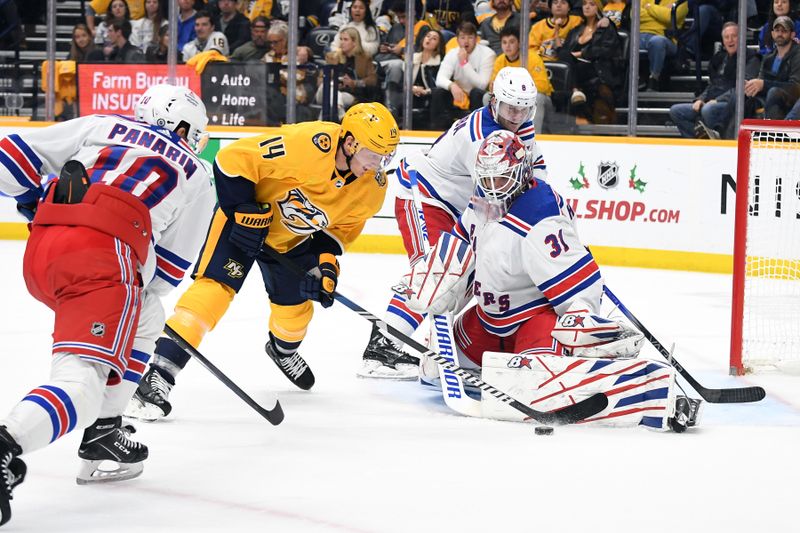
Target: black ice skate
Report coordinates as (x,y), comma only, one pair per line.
(149,402)
(293,367)
(108,440)
(384,360)
(12,472)
(687,413)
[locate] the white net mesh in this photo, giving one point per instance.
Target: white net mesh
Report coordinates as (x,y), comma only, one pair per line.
(771,329)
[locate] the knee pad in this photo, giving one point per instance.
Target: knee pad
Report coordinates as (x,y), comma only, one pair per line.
(290,322)
(200,309)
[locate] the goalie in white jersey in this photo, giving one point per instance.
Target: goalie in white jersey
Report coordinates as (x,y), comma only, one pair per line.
(443,181)
(107,238)
(538,293)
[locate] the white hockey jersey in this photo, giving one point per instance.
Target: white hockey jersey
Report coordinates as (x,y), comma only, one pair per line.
(216,41)
(152,163)
(528,261)
(444,174)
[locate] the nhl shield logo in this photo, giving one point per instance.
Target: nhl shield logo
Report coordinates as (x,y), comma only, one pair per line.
(608,174)
(98,329)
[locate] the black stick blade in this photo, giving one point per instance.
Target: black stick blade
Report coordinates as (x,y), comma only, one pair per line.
(570,414)
(743,395)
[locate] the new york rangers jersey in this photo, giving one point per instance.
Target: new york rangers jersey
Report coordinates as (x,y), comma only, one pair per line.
(529,261)
(151,163)
(444,174)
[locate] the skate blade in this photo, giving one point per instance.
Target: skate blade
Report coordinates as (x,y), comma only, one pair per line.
(91,472)
(144,412)
(375,370)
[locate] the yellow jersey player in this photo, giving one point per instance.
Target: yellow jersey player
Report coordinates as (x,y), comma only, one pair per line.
(306,191)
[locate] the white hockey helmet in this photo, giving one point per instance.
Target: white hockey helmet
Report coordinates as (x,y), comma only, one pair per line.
(513,97)
(503,168)
(144,106)
(173,107)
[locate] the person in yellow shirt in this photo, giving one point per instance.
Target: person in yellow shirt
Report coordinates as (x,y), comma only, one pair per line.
(320,182)
(100,7)
(547,36)
(655,21)
(509,41)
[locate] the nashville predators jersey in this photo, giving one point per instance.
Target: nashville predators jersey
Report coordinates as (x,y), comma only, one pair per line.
(294,170)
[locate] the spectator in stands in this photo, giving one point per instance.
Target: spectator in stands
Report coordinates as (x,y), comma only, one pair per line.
(82,44)
(594,51)
(779,78)
(361,19)
(257,47)
(135,10)
(490,28)
(655,21)
(449,14)
(540,9)
(462,79)
(120,50)
(618,12)
(360,79)
(711,111)
(207,38)
(510,57)
(144,31)
(232,23)
(390,47)
(425,67)
(157,52)
(547,36)
(778,8)
(306,88)
(278,40)
(186,16)
(117,10)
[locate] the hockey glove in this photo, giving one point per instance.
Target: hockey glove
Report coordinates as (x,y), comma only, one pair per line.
(28,202)
(321,287)
(250,227)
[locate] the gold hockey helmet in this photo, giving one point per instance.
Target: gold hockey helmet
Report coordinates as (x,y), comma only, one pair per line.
(373,127)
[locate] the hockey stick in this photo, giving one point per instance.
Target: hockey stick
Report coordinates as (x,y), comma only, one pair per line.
(274,415)
(568,415)
(728,395)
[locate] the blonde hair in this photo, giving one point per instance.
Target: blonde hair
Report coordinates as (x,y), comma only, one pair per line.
(356,37)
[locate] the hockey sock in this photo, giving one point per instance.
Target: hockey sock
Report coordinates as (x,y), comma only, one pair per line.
(283,347)
(169,356)
(402,318)
(70,399)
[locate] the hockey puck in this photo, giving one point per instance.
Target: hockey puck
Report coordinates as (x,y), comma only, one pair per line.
(543,430)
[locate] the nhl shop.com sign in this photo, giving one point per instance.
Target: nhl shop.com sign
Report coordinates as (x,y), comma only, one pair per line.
(110,88)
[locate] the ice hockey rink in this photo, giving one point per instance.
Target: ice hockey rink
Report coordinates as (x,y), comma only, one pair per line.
(364,456)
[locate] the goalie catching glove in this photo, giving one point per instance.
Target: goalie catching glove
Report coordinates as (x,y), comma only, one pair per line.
(250,227)
(588,335)
(322,285)
(442,281)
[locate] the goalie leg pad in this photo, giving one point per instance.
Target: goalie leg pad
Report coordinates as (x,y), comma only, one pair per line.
(439,283)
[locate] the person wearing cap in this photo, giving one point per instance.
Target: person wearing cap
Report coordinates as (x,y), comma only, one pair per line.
(257,46)
(655,20)
(504,17)
(207,39)
(547,36)
(778,80)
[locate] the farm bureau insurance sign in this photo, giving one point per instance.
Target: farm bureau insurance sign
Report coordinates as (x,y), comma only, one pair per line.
(116,88)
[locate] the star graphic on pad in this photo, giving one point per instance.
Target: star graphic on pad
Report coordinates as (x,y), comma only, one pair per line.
(524,362)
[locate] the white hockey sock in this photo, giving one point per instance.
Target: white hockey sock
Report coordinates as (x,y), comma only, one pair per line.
(69,400)
(401,325)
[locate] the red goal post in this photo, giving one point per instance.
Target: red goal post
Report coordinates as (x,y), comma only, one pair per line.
(765,317)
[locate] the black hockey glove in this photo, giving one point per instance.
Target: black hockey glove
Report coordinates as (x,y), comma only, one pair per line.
(28,202)
(250,227)
(321,287)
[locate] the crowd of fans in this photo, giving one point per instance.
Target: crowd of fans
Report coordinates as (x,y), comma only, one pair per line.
(460,45)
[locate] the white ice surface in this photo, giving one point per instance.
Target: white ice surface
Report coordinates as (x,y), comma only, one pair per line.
(366,456)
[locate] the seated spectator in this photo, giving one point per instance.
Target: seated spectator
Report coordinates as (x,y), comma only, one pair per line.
(361,19)
(117,10)
(157,52)
(186,16)
(618,12)
(269,9)
(134,8)
(425,67)
(708,116)
(778,8)
(360,79)
(509,40)
(232,23)
(278,40)
(547,36)
(655,21)
(778,80)
(119,49)
(144,31)
(82,45)
(490,28)
(207,38)
(594,51)
(257,47)
(390,47)
(306,89)
(462,79)
(449,14)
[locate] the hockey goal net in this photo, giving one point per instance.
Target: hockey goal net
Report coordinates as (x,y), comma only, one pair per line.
(765,323)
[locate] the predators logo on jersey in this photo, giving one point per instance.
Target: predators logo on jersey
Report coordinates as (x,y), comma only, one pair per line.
(300,215)
(323,142)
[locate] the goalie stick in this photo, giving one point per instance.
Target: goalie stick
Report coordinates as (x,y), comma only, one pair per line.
(274,415)
(728,395)
(568,415)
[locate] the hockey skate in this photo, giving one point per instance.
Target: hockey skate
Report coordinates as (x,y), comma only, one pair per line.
(108,440)
(687,413)
(12,472)
(383,360)
(149,402)
(293,367)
